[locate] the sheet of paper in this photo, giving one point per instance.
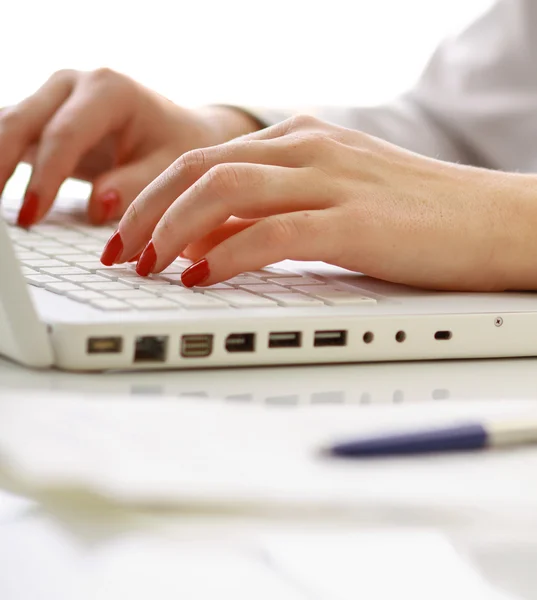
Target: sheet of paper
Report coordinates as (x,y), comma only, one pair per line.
(376,565)
(190,452)
(197,559)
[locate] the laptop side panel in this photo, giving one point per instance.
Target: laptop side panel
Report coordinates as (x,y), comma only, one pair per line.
(23,337)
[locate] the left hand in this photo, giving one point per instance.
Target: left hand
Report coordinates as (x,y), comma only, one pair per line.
(308,190)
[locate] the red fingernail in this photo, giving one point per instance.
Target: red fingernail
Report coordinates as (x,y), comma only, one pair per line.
(28,210)
(196,273)
(135,258)
(112,250)
(109,202)
(147,261)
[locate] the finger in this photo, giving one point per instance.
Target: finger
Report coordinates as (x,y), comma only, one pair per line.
(80,123)
(114,191)
(21,125)
(232,226)
(302,235)
(241,190)
(146,211)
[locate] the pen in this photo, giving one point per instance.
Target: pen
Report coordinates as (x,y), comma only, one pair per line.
(453,438)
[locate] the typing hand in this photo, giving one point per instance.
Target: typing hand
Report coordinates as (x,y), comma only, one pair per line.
(307,190)
(101,127)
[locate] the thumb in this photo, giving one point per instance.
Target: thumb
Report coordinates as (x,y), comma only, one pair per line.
(115,190)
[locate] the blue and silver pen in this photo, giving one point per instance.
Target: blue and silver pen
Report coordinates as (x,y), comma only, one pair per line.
(457,437)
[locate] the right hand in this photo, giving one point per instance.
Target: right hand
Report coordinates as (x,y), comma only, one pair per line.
(101,127)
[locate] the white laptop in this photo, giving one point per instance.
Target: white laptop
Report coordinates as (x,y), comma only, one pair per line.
(60,306)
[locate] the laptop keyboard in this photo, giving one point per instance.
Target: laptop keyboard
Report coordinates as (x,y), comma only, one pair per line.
(64,259)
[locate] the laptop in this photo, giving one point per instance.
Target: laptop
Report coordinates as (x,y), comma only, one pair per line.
(59,306)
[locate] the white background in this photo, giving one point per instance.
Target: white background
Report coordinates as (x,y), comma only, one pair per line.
(264,52)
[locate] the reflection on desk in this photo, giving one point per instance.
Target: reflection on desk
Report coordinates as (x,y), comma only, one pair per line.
(380,383)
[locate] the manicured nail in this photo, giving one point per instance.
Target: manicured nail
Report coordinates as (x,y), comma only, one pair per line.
(28,211)
(147,261)
(112,251)
(135,258)
(196,273)
(109,202)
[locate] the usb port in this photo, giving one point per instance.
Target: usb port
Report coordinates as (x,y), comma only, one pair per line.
(330,338)
(240,342)
(285,339)
(104,345)
(196,346)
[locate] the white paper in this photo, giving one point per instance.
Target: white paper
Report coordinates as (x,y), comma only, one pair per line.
(195,453)
(377,565)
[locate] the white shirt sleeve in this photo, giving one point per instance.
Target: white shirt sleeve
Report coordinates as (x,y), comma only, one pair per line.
(476,101)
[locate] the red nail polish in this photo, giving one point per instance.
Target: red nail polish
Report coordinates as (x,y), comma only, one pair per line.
(112,250)
(28,210)
(196,273)
(135,258)
(147,261)
(109,202)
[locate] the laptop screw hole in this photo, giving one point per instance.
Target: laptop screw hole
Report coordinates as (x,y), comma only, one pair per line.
(368,337)
(443,335)
(400,336)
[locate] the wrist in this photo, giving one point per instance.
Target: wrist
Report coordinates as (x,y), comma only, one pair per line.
(515,232)
(228,122)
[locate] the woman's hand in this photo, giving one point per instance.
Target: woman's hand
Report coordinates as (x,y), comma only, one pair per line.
(308,190)
(104,128)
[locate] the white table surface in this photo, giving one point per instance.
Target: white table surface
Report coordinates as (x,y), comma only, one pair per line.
(55,549)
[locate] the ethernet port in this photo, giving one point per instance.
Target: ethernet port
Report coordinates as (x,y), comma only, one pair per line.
(150,348)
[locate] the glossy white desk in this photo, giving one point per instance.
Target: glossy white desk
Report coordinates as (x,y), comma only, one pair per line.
(51,550)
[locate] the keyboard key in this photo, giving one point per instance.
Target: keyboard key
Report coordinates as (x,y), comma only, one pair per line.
(171,277)
(62,287)
(134,280)
(154,304)
(25,255)
(64,271)
(293,299)
(92,266)
(271,272)
(129,294)
(193,300)
(90,247)
(60,252)
(336,297)
(83,279)
(44,262)
(215,286)
(239,298)
(245,279)
(162,288)
(41,280)
(106,286)
(112,273)
(265,288)
(110,304)
(175,269)
(72,258)
(28,271)
(295,281)
(85,295)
